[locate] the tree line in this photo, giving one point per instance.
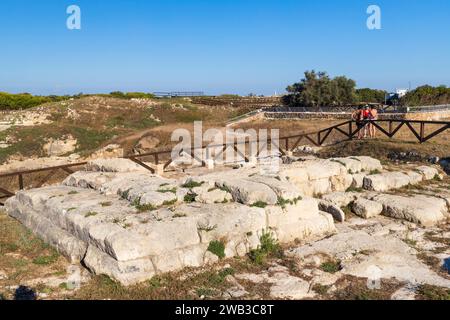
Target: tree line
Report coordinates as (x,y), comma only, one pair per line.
(318,89)
(9,101)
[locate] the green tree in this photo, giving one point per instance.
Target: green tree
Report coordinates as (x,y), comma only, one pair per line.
(427,95)
(371,95)
(317,89)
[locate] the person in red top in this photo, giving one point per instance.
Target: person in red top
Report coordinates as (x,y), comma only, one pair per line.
(366,117)
(373,116)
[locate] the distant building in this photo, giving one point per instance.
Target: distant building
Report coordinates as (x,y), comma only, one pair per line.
(401,92)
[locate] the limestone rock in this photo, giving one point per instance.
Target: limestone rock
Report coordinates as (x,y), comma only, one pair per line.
(114,165)
(424,210)
(386,181)
(61,146)
(366,208)
(248,192)
(427,172)
(332,209)
(289,287)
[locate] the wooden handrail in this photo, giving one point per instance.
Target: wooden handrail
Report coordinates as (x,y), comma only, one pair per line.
(349,129)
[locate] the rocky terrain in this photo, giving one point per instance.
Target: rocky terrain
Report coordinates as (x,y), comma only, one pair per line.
(338,228)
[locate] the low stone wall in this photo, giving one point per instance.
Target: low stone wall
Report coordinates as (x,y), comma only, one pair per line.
(424,116)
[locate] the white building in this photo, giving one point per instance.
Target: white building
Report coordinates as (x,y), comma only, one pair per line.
(401,92)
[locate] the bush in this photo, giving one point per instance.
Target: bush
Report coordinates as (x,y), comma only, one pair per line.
(25,101)
(268,247)
(217,248)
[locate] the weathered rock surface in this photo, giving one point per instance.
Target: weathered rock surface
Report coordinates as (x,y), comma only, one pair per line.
(373,257)
(332,209)
(424,210)
(131,225)
(60,147)
(386,181)
(114,165)
(367,208)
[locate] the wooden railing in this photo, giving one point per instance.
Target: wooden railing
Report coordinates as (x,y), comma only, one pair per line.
(346,131)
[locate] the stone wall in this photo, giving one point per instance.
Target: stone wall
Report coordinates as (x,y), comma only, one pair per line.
(425,116)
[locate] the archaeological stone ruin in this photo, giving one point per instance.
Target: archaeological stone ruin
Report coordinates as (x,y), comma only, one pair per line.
(123,221)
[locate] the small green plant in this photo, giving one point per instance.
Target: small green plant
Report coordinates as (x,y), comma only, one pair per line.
(173,190)
(205,292)
(126,194)
(192,184)
(179,215)
(320,289)
(268,247)
(259,204)
(353,189)
(219,277)
(331,266)
(73,192)
(284,202)
(225,188)
(46,260)
(218,248)
(142,207)
(156,282)
(71,209)
(170,202)
(90,214)
(433,293)
(374,172)
(106,204)
(410,242)
(145,207)
(189,198)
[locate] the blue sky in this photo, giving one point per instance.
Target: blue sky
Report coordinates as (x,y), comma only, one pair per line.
(219,46)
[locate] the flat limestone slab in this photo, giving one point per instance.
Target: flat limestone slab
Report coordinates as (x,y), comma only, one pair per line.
(388,180)
(424,210)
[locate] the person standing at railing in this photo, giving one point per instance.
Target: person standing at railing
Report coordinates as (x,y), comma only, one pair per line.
(373,116)
(366,117)
(357,116)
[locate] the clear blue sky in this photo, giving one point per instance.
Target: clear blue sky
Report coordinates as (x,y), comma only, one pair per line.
(219,46)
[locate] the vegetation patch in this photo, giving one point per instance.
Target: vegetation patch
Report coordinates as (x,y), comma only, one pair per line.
(170,202)
(190,197)
(46,260)
(428,292)
(259,204)
(268,248)
(284,202)
(106,204)
(90,214)
(192,184)
(173,190)
(218,248)
(331,266)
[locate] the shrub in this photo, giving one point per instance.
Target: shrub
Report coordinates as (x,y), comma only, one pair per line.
(192,184)
(268,247)
(259,204)
(218,248)
(190,197)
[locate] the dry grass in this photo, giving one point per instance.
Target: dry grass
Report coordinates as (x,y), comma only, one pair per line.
(98,121)
(24,257)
